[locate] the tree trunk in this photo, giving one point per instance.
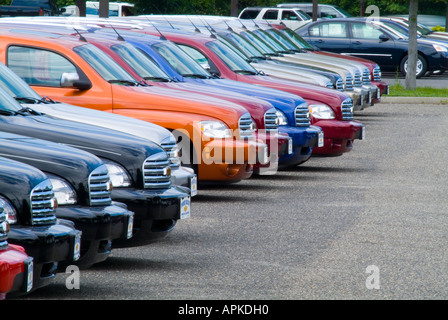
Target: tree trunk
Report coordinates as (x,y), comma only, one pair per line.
(315,2)
(103,11)
(81,4)
(234,8)
(412,46)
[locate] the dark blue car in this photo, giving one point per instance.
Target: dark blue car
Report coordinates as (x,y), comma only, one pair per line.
(363,38)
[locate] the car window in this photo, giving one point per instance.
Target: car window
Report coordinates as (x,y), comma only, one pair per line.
(328,12)
(38,66)
(329,30)
(289,15)
(249,14)
(365,31)
(270,15)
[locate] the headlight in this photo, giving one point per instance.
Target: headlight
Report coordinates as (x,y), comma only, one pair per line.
(117,174)
(282,120)
(8,210)
(321,111)
(215,129)
(63,191)
(440,48)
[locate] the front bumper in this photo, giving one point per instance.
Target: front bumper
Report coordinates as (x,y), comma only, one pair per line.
(339,136)
(383,89)
(16,268)
(48,245)
(155,212)
(268,153)
(303,142)
(366,98)
(358,100)
(99,226)
(227,160)
(185,177)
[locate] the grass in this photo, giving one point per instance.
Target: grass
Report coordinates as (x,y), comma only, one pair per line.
(398,90)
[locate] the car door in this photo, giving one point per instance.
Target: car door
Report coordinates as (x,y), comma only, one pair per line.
(371,42)
(44,70)
(330,36)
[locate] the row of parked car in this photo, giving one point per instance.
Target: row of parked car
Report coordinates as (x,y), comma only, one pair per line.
(383,40)
(108,126)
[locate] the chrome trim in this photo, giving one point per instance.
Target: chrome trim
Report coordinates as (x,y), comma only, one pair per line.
(246,126)
(347,109)
(302,115)
(156,171)
(271,120)
(43,204)
(100,187)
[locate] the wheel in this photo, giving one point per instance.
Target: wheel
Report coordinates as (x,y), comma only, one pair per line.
(421,67)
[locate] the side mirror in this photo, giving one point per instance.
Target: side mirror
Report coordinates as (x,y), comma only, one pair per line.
(72,80)
(383,37)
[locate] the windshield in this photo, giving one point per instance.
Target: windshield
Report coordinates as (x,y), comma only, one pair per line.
(141,64)
(244,45)
(14,85)
(8,104)
(272,41)
(260,44)
(283,39)
(179,60)
(234,61)
(305,16)
(296,39)
(104,65)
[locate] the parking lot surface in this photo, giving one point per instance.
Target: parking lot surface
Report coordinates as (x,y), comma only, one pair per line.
(370,224)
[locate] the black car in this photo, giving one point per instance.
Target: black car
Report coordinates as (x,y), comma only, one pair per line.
(366,39)
(82,189)
(21,189)
(138,168)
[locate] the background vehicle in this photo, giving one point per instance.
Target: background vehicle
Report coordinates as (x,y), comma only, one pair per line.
(116,9)
(359,38)
(16,267)
(323,10)
(30,8)
(293,18)
(26,192)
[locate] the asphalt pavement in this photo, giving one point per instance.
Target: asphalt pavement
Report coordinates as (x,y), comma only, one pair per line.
(371,224)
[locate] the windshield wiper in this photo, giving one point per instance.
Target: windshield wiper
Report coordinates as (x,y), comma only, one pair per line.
(33,100)
(6,112)
(246,72)
(127,82)
(195,75)
(162,79)
(26,111)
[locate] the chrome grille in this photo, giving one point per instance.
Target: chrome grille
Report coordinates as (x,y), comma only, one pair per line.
(349,83)
(246,126)
(377,73)
(157,172)
(347,109)
(271,120)
(43,204)
(3,229)
(357,81)
(302,115)
(366,77)
(330,85)
(340,84)
(100,187)
(172,151)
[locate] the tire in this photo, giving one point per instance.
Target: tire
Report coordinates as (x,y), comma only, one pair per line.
(422,66)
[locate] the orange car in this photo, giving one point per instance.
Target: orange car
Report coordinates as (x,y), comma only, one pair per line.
(215,136)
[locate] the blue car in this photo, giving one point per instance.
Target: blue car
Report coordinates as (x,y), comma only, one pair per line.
(187,73)
(366,39)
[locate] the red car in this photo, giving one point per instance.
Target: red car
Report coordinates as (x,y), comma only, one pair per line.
(330,109)
(16,267)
